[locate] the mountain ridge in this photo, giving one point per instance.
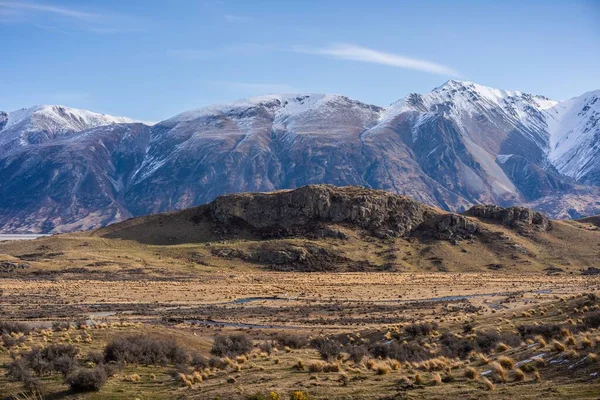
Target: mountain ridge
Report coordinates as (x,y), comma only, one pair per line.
(459,145)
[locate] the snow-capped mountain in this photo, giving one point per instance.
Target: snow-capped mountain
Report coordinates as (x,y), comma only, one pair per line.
(462,143)
(46,122)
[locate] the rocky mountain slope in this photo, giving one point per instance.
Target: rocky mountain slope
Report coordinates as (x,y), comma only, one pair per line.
(459,145)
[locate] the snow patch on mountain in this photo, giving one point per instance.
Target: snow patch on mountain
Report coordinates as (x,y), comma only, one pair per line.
(574,135)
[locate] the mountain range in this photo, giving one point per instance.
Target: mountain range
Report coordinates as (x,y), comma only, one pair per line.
(63,169)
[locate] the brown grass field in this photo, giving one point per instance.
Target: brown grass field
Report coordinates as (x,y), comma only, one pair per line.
(513,317)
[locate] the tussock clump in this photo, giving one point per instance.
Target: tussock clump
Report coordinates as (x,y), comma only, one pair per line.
(436,379)
(540,340)
(498,372)
(487,383)
(502,347)
(506,362)
(299,365)
(419,379)
(471,373)
(382,369)
(518,375)
(321,366)
(558,346)
(394,365)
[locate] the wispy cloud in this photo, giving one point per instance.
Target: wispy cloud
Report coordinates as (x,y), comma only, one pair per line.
(66,18)
(36,7)
(353,52)
(237,18)
(251,86)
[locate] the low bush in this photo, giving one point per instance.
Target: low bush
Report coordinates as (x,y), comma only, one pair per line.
(292,341)
(231,345)
(400,351)
(420,329)
(357,353)
(547,331)
(146,350)
(87,379)
(329,349)
(592,321)
(199,361)
(8,327)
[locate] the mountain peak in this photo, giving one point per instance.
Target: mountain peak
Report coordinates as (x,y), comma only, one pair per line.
(56,118)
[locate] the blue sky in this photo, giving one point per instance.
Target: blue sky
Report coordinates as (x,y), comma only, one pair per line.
(153,59)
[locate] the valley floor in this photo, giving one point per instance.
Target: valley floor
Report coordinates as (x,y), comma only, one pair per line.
(370,307)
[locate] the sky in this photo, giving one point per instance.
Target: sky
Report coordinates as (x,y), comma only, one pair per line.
(150,60)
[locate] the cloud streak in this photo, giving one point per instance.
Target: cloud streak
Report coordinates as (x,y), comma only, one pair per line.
(353,52)
(36,7)
(237,18)
(63,19)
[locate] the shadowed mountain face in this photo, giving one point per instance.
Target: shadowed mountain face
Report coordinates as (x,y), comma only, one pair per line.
(459,145)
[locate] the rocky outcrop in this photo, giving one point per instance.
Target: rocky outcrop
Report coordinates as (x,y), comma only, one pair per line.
(513,217)
(283,256)
(381,213)
(452,227)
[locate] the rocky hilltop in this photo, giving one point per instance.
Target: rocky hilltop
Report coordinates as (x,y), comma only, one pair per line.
(330,228)
(381,213)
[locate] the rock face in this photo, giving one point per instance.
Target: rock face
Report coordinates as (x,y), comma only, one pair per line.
(513,217)
(381,213)
(452,227)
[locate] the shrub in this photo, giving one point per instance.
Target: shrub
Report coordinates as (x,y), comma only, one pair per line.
(9,341)
(328,348)
(231,345)
(61,325)
(18,370)
(8,327)
(299,395)
(357,353)
(292,341)
(199,361)
(262,396)
(87,379)
(96,357)
(547,331)
(400,351)
(420,329)
(592,320)
(266,347)
(145,350)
